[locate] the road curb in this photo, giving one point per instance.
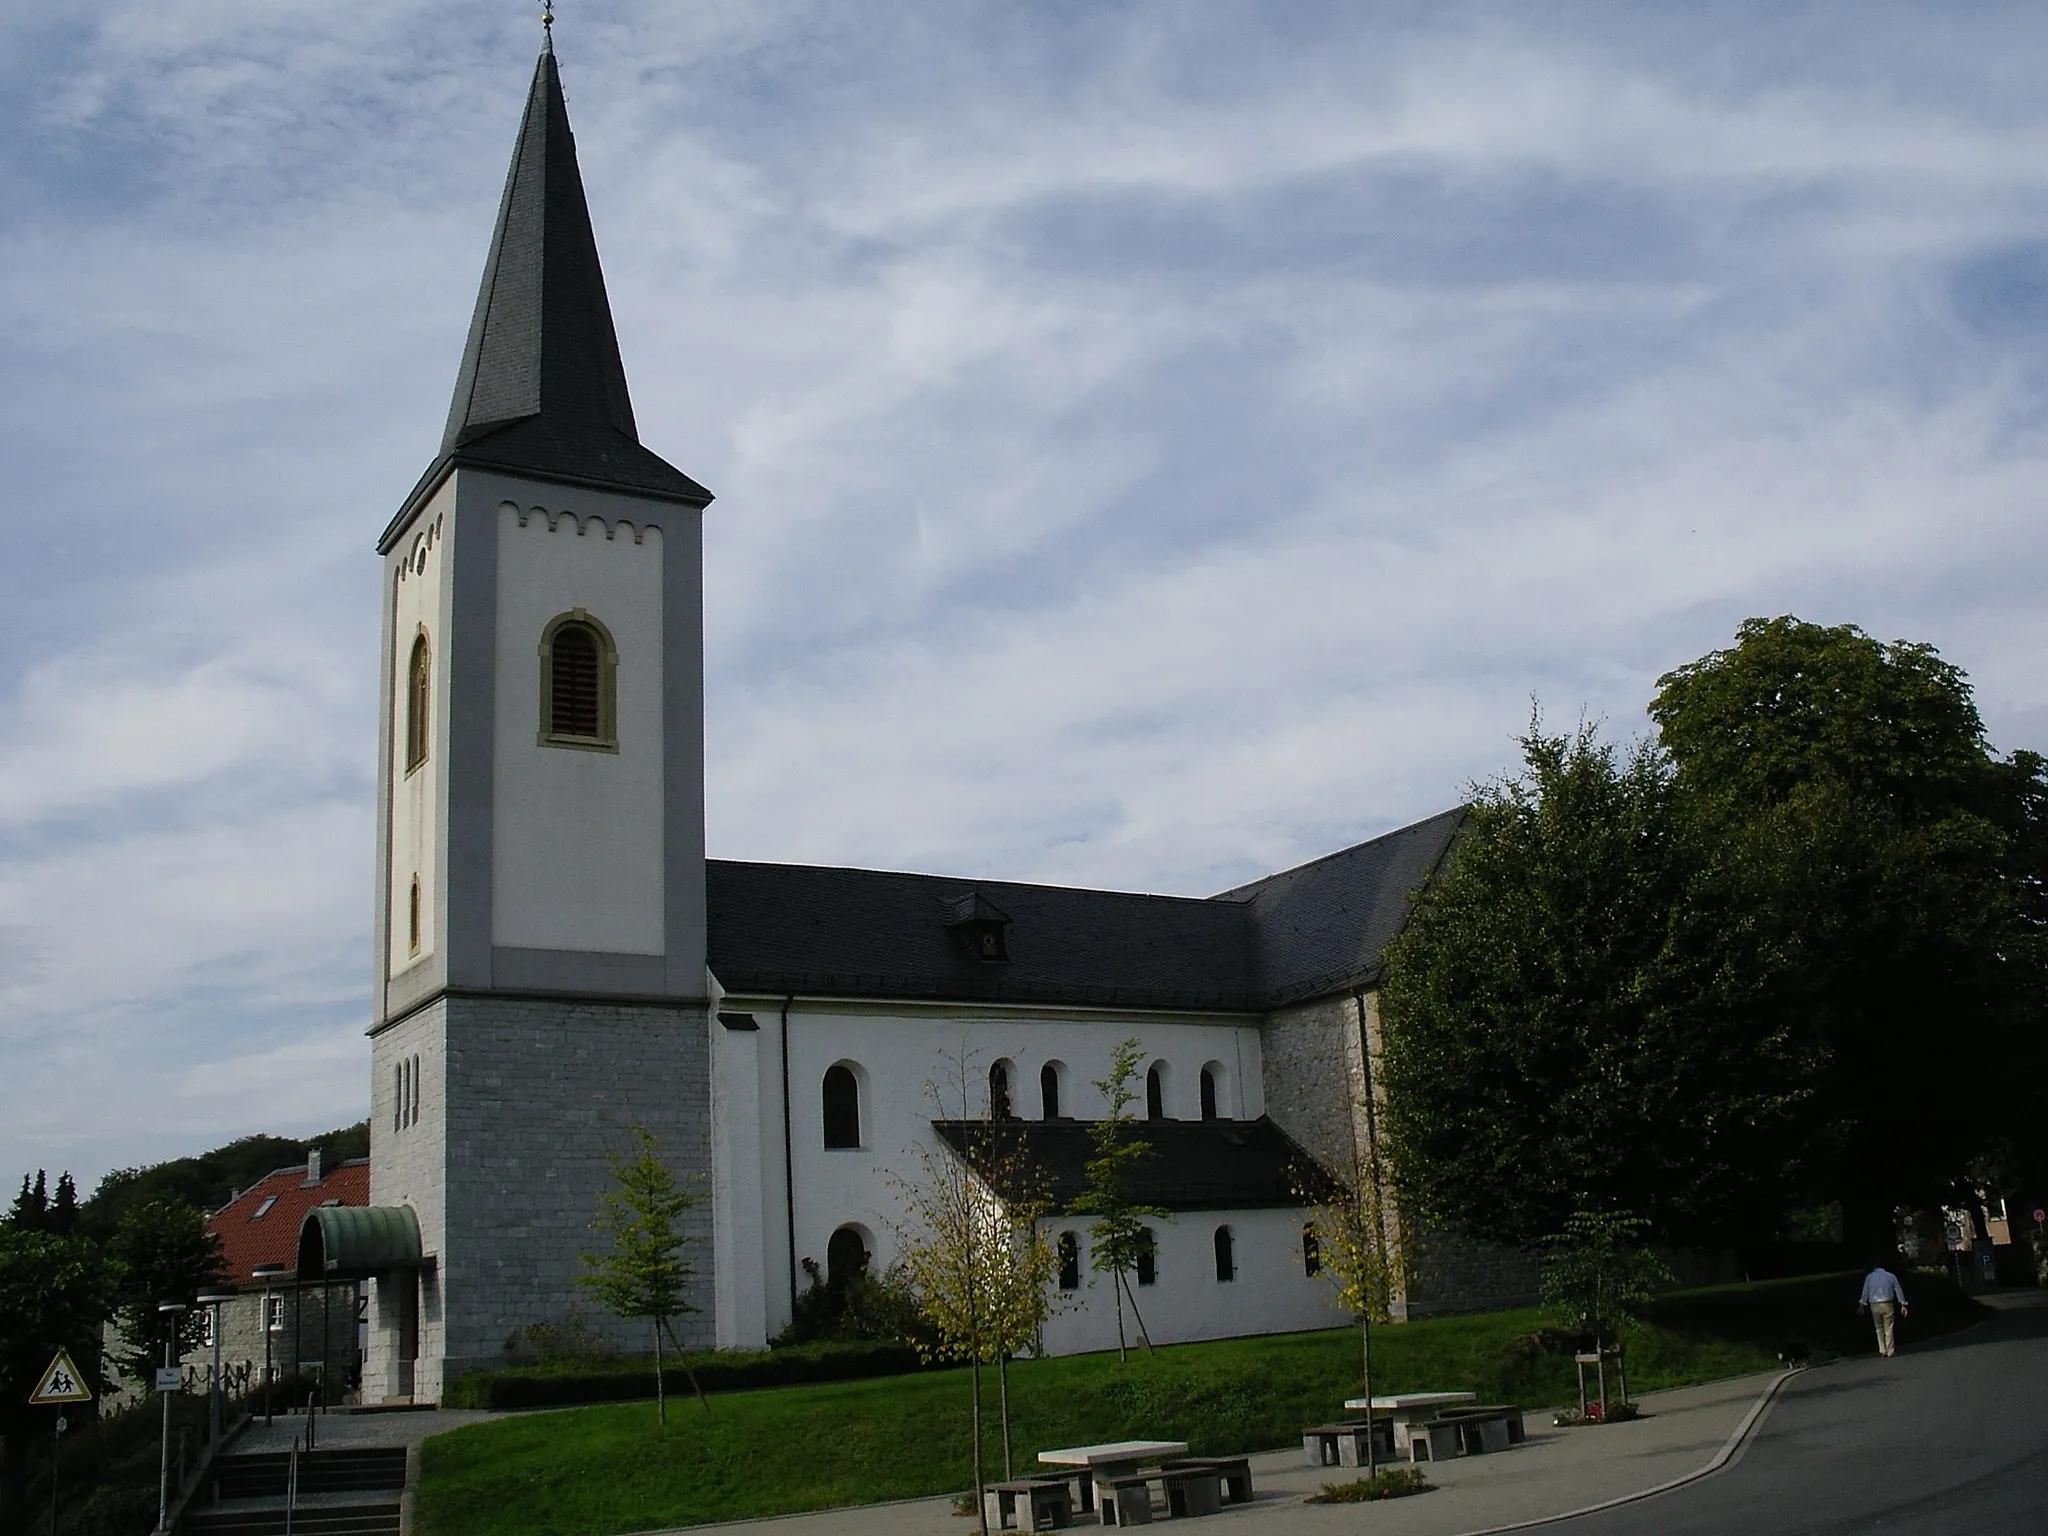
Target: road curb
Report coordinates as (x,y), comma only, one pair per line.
(1730,1449)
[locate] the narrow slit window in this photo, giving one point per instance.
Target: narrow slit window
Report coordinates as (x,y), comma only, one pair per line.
(1226,1256)
(413,917)
(842,1107)
(1155,1096)
(1070,1262)
(1049,1090)
(418,699)
(1311,1252)
(1148,1258)
(1208,1094)
(999,1091)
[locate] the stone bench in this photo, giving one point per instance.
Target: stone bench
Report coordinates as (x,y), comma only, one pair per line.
(1029,1504)
(1234,1474)
(1343,1445)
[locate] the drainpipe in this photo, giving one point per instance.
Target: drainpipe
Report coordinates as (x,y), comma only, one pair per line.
(788,1160)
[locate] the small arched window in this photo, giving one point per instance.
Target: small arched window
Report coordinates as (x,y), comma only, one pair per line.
(419,695)
(1069,1248)
(1208,1094)
(413,917)
(842,1107)
(1311,1251)
(999,1091)
(1155,1095)
(846,1255)
(1226,1255)
(1148,1258)
(1049,1089)
(578,669)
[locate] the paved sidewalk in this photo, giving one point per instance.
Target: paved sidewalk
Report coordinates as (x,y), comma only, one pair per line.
(1555,1472)
(347,1431)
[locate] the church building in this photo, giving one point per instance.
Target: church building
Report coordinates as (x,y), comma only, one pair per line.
(558,962)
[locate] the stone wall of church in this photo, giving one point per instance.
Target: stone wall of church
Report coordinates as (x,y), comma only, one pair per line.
(1315,1079)
(541,1092)
(1448,1273)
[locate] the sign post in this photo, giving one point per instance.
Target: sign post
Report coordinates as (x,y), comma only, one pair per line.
(61,1383)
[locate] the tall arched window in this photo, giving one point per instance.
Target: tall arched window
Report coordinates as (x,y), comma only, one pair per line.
(842,1107)
(1208,1094)
(413,918)
(1148,1258)
(578,667)
(419,693)
(846,1254)
(999,1091)
(1155,1094)
(1226,1255)
(1069,1249)
(1049,1089)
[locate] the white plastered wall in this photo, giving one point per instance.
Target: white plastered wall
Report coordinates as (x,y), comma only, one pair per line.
(576,840)
(896,1055)
(418,576)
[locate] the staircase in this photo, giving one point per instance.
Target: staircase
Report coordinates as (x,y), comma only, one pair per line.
(340,1493)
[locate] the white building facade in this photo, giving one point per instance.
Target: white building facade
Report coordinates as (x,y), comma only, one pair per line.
(558,963)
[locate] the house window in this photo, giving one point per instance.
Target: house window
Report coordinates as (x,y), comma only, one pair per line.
(1155,1094)
(1311,1251)
(274,1313)
(1148,1258)
(1069,1248)
(418,697)
(578,676)
(263,1208)
(398,1096)
(846,1254)
(999,1091)
(1049,1090)
(413,918)
(206,1317)
(842,1106)
(1208,1094)
(405,1092)
(1226,1255)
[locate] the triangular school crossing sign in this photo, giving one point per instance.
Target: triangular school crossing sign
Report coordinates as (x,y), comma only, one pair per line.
(61,1383)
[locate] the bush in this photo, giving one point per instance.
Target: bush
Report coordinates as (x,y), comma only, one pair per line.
(558,1382)
(860,1305)
(1394,1483)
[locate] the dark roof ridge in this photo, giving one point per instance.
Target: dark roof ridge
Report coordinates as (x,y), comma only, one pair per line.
(1250,889)
(967,880)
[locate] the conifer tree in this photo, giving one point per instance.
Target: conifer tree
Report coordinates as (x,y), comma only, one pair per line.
(645,1276)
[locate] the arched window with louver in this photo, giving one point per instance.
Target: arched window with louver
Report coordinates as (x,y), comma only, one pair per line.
(578,666)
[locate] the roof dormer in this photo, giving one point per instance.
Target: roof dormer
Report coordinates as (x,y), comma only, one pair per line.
(979,926)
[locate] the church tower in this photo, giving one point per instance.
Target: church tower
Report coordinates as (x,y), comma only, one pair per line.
(540,983)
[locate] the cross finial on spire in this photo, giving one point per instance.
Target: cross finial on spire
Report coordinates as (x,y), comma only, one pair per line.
(547,27)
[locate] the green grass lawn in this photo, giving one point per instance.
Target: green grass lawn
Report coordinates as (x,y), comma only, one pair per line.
(607,1469)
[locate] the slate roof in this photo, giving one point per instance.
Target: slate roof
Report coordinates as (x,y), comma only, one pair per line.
(247,1239)
(542,390)
(1302,933)
(1196,1165)
(1322,926)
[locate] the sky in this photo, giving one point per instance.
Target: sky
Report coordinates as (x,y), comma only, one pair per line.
(1155,443)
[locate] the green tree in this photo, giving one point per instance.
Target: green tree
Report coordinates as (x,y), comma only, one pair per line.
(1598,1274)
(1359,1243)
(161,1251)
(1850,783)
(1581,1013)
(1117,1238)
(645,1276)
(972,1251)
(55,1293)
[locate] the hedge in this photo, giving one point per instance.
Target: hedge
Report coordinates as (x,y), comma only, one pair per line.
(556,1383)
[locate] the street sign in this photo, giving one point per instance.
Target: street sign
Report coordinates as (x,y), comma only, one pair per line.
(2039,1214)
(61,1383)
(169,1378)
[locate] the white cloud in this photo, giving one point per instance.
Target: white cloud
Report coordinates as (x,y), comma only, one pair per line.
(1153,446)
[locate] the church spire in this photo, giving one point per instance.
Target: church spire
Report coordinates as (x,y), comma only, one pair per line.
(542,390)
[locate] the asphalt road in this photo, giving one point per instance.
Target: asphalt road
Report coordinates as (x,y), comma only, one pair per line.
(1946,1438)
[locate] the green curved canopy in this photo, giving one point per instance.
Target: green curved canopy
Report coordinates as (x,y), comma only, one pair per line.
(354,1242)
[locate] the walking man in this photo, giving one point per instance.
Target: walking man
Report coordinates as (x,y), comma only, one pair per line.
(1885,1299)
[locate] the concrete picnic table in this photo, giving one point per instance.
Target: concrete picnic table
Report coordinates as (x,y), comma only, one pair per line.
(1405,1408)
(1117,1458)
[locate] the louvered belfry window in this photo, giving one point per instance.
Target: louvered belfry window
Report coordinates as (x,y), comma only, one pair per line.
(577,682)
